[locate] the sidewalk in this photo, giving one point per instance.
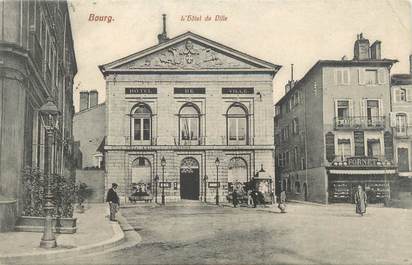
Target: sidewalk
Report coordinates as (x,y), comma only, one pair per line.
(94,233)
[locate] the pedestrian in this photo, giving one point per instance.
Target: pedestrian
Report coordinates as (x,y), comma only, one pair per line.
(360,201)
(254,196)
(113,200)
(234,197)
(282,202)
(249,198)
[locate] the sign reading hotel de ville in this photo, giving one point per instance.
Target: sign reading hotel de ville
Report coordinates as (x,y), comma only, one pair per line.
(205,132)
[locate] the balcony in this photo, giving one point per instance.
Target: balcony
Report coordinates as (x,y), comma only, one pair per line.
(200,141)
(360,122)
(403,131)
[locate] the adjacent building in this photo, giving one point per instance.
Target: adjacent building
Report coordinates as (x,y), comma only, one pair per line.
(89,133)
(333,130)
(401,121)
(202,106)
(37,62)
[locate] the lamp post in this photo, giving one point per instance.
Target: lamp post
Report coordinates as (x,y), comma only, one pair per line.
(49,117)
(156,179)
(205,180)
(217,163)
(163,164)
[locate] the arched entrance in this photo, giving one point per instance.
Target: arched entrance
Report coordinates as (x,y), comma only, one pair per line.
(141,175)
(189,179)
(237,173)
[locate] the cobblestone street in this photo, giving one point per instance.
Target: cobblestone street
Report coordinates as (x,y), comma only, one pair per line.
(307,234)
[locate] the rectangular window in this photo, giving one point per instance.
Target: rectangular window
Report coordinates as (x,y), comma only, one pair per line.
(374,147)
(137,129)
(146,129)
(403,159)
(295,157)
(295,126)
(344,149)
(287,158)
(342,76)
(400,95)
(371,76)
(401,123)
(232,129)
(372,111)
(303,163)
(342,109)
(242,129)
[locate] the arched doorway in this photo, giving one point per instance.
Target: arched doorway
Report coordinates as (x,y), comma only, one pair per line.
(141,175)
(189,179)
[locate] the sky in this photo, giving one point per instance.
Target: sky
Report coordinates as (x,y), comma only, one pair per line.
(283,32)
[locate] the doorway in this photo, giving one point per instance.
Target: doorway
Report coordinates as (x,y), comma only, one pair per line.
(305,191)
(189,179)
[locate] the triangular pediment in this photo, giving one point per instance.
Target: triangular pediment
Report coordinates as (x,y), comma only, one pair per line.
(189,52)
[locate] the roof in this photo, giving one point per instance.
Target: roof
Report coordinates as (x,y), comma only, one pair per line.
(401,79)
(113,67)
(337,63)
(91,108)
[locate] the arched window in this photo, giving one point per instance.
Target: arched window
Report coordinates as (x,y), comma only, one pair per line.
(141,175)
(237,124)
(237,173)
(141,123)
(189,117)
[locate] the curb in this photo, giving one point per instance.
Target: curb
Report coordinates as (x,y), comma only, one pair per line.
(308,203)
(116,240)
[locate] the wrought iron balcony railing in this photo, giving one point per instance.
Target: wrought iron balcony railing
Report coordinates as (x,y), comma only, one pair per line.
(360,122)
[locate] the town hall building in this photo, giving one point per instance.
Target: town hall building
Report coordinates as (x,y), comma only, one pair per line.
(189,115)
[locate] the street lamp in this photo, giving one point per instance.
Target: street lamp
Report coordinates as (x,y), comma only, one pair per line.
(49,117)
(217,163)
(156,179)
(205,180)
(163,164)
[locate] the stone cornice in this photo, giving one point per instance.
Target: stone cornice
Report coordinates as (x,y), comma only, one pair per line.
(187,147)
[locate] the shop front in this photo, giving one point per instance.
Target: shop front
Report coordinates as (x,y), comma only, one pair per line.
(376,178)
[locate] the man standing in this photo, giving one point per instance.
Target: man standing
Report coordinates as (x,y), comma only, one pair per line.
(282,202)
(360,201)
(234,195)
(113,201)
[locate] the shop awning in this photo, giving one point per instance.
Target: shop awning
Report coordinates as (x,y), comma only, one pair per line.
(362,172)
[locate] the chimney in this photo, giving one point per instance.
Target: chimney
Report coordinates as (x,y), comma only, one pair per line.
(163,36)
(84,100)
(93,98)
(376,50)
(361,49)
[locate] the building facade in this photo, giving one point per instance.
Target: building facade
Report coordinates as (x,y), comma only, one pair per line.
(37,62)
(401,122)
(191,101)
(333,131)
